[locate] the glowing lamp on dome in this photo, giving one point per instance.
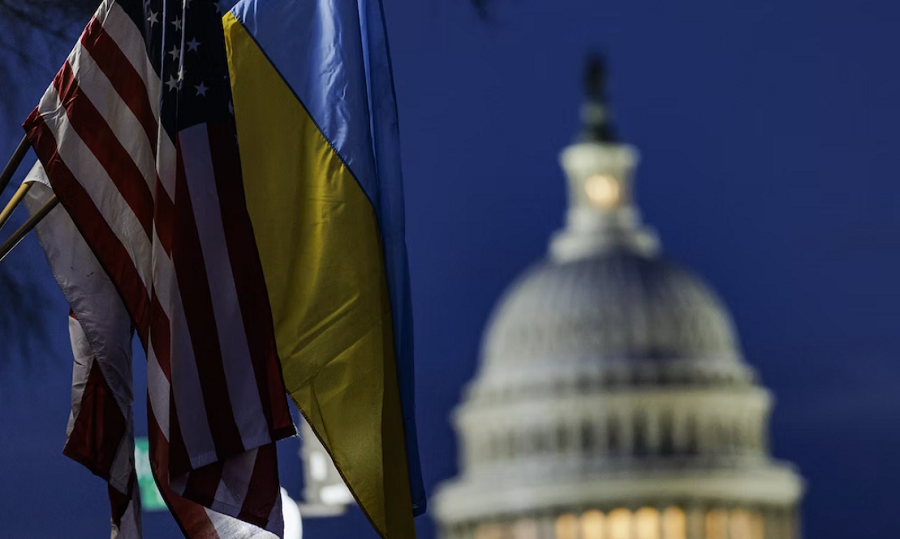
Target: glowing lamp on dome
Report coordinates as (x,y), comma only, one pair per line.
(603,191)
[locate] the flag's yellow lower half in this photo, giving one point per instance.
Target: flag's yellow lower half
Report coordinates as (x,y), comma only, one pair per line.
(320,248)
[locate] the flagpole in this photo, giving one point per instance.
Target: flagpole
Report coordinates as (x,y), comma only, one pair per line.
(14,163)
(13,202)
(23,230)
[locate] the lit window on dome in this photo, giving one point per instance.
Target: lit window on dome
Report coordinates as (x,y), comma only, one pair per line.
(739,525)
(620,524)
(593,524)
(525,529)
(674,523)
(489,531)
(646,522)
(603,191)
(717,524)
(757,526)
(567,527)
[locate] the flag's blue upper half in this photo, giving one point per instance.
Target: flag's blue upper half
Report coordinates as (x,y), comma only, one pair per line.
(334,57)
(320,52)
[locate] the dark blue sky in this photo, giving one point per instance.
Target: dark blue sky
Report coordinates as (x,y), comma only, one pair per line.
(769,136)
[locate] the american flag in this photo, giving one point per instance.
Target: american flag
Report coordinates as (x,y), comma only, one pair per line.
(137,138)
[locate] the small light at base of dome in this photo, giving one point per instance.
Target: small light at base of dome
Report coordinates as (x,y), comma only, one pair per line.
(603,191)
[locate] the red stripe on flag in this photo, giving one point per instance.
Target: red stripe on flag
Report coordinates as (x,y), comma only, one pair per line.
(119,501)
(90,125)
(190,517)
(110,252)
(161,338)
(248,277)
(99,427)
(164,218)
(178,456)
(127,82)
(160,334)
(262,494)
(190,269)
(203,482)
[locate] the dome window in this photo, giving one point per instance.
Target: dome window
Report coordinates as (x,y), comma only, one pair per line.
(740,525)
(567,526)
(646,522)
(717,524)
(620,524)
(674,523)
(593,524)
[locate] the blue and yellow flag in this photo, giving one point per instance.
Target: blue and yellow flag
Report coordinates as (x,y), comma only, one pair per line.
(317,126)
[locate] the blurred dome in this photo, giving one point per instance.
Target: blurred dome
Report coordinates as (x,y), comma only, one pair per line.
(611,399)
(628,316)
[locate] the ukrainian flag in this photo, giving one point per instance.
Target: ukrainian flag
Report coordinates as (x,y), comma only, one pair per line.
(317,126)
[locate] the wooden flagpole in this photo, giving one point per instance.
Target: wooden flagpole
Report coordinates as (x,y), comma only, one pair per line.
(5,178)
(14,201)
(26,227)
(14,163)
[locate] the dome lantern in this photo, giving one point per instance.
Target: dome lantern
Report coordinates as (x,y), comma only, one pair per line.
(602,214)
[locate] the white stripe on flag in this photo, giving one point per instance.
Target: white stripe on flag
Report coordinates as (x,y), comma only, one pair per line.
(130,525)
(189,405)
(84,359)
(127,36)
(99,186)
(166,161)
(236,360)
(123,464)
(184,372)
(165,281)
(231,527)
(119,117)
(235,480)
(119,26)
(158,391)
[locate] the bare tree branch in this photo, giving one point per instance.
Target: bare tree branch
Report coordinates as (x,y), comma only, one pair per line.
(35,36)
(55,17)
(21,316)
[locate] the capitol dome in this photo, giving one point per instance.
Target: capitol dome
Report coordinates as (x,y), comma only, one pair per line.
(612,400)
(617,313)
